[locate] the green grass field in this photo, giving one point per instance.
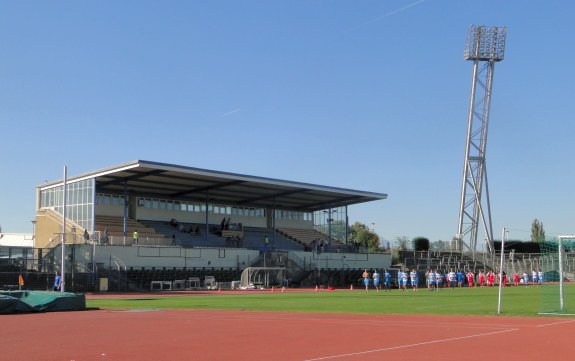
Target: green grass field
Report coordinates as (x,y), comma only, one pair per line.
(517,301)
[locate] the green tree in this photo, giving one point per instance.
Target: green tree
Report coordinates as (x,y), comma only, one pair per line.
(361,235)
(420,244)
(537,231)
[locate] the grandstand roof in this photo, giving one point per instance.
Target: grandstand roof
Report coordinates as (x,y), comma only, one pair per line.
(160,180)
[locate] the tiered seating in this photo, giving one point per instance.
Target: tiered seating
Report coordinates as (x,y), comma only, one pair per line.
(115,228)
(187,236)
(307,236)
(254,239)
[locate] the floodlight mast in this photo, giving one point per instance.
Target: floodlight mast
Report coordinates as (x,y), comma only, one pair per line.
(485,47)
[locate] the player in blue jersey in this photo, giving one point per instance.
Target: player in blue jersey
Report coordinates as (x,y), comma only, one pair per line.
(540,276)
(525,279)
(535,278)
(400,279)
(387,280)
(460,278)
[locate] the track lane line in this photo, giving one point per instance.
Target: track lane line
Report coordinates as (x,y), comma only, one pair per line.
(410,345)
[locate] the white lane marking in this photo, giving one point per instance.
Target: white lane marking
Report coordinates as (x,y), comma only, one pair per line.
(555,323)
(410,345)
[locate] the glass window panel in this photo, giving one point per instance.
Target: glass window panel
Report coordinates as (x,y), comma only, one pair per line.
(162,204)
(154,203)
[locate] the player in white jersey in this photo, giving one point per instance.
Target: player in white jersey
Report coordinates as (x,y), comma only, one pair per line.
(438,280)
(540,276)
(414,279)
(535,278)
(525,279)
(404,277)
(375,277)
(431,280)
(452,279)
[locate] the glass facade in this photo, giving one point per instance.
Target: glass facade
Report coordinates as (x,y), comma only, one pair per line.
(335,216)
(79,202)
(186,206)
(293,215)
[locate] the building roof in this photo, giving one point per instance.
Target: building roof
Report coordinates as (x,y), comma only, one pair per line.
(161,180)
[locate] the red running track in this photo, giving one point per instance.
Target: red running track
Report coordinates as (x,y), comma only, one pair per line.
(247,335)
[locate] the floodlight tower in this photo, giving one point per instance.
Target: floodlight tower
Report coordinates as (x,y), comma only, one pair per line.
(485,47)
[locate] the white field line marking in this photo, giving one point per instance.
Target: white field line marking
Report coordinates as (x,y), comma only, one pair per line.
(411,345)
(555,323)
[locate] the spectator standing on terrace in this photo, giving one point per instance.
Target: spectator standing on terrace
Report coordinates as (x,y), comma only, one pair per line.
(266,242)
(135,236)
(223,224)
(57,282)
(86,236)
(173,239)
(365,276)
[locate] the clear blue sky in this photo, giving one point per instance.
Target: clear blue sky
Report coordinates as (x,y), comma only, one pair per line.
(368,95)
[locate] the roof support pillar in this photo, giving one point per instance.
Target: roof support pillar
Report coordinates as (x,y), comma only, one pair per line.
(125,210)
(346,226)
(207,218)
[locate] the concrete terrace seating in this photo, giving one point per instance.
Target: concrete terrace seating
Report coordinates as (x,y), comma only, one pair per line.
(254,239)
(185,238)
(306,236)
(115,228)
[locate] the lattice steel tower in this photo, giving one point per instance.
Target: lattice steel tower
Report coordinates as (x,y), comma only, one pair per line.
(485,47)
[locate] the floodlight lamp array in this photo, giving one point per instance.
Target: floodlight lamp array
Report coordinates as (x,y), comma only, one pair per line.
(485,43)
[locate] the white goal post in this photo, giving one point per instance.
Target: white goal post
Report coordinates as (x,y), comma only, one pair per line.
(561,275)
(256,277)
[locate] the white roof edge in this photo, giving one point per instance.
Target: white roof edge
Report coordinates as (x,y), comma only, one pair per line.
(208,172)
(272,181)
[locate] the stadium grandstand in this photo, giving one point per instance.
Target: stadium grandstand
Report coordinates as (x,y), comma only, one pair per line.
(146,225)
